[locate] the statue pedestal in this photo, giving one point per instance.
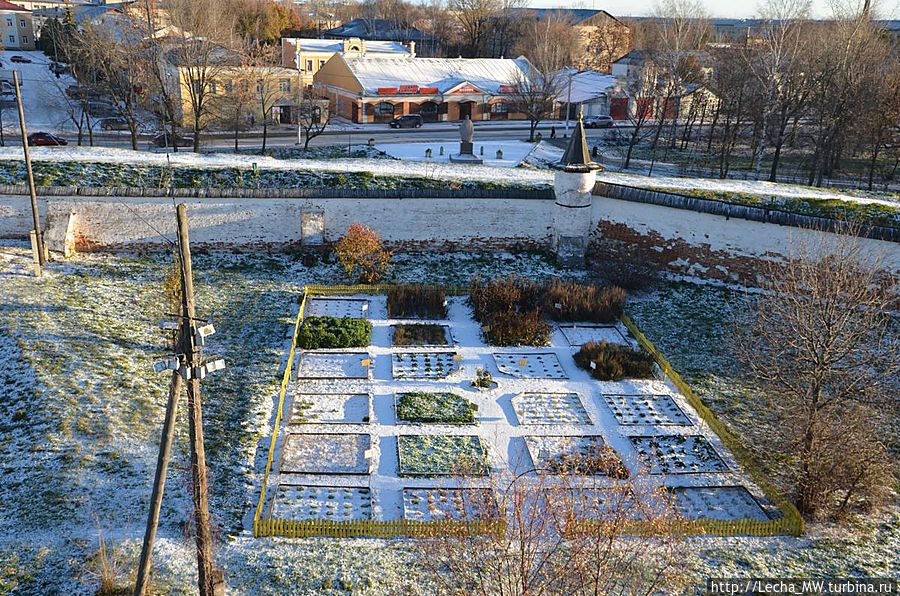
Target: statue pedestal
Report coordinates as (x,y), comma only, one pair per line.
(465,155)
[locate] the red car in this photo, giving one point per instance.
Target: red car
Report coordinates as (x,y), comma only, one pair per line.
(45,139)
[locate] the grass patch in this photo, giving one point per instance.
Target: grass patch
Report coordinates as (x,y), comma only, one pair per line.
(445,408)
(420,335)
(416,301)
(441,455)
(318,333)
(613,362)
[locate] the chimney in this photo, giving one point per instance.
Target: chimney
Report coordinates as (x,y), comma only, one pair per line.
(412,49)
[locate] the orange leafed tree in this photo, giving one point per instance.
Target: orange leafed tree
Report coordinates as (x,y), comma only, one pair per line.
(361,252)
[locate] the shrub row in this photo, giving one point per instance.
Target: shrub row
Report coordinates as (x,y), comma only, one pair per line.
(417,334)
(435,408)
(614,362)
(331,332)
(416,301)
(512,310)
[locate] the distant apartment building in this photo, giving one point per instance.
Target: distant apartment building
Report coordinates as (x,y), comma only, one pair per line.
(18,30)
(309,55)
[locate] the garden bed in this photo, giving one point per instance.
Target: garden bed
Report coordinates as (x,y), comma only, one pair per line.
(331,408)
(678,454)
(612,362)
(419,334)
(424,365)
(334,365)
(549,408)
(319,333)
(326,454)
(334,503)
(441,455)
(407,301)
(434,408)
(431,504)
(578,335)
(638,409)
(586,455)
(717,502)
(530,366)
(353,308)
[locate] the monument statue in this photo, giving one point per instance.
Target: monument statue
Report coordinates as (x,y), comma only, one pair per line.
(466,133)
(466,130)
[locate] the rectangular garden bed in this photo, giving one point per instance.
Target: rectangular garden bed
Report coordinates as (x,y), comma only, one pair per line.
(441,455)
(420,334)
(434,408)
(423,365)
(334,503)
(321,306)
(578,335)
(678,454)
(326,454)
(331,408)
(549,408)
(429,504)
(717,502)
(642,408)
(586,455)
(334,365)
(530,366)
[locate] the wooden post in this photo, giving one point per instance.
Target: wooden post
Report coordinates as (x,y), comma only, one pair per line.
(159,484)
(211,580)
(39,240)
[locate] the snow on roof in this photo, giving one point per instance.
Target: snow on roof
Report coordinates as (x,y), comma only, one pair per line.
(337,45)
(586,85)
(4,5)
(444,73)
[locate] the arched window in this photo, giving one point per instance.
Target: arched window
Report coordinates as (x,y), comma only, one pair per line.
(384,109)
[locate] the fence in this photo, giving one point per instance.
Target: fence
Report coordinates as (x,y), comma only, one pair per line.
(790,522)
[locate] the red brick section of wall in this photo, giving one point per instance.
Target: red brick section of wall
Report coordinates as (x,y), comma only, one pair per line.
(619,242)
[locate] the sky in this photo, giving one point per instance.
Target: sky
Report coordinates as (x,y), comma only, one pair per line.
(716,8)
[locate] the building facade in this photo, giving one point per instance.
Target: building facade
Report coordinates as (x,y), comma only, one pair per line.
(366,90)
(309,55)
(17,27)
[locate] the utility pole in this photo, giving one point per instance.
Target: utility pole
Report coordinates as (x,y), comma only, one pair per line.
(211,580)
(186,365)
(38,240)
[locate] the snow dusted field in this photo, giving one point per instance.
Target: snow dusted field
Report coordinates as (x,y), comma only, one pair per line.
(81,409)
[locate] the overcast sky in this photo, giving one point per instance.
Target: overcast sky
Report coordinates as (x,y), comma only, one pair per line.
(717,8)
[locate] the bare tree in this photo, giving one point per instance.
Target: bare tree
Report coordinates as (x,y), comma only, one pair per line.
(200,56)
(477,19)
(606,44)
(558,532)
(313,117)
(823,340)
(266,81)
(773,60)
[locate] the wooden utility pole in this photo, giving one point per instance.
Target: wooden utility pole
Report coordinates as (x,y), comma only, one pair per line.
(159,482)
(211,580)
(40,259)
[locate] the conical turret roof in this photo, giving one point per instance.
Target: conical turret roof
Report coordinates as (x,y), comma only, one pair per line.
(577,158)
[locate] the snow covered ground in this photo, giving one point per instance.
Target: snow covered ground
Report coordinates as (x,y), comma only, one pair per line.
(81,409)
(43,94)
(513,152)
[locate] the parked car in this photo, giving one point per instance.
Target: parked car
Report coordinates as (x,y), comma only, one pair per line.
(166,139)
(599,122)
(58,68)
(408,121)
(45,139)
(117,123)
(20,59)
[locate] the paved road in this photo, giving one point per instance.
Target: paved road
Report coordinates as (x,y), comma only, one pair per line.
(283,136)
